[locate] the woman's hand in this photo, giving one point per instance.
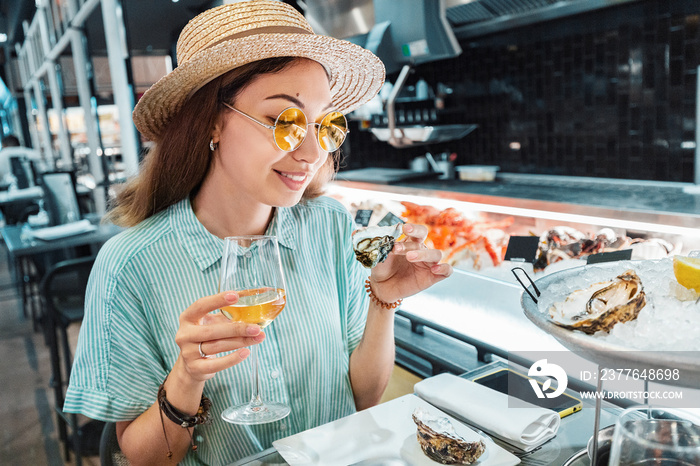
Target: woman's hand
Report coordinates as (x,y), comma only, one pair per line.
(411,267)
(148,439)
(216,334)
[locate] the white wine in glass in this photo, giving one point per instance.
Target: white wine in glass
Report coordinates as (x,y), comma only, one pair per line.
(252,267)
(257,306)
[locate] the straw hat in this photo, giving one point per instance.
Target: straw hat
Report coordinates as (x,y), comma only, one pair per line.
(228,36)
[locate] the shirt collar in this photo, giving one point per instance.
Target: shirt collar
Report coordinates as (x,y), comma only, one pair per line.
(283,226)
(205,248)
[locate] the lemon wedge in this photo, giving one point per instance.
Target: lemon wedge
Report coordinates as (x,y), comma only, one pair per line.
(687,271)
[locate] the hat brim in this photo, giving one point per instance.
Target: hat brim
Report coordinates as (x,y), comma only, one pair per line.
(356,74)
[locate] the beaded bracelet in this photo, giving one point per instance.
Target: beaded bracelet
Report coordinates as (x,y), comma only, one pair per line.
(379,302)
(178,417)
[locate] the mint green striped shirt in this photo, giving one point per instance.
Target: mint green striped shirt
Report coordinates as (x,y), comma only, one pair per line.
(146,276)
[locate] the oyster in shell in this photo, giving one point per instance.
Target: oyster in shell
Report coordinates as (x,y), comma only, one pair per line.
(373,244)
(440,442)
(602,305)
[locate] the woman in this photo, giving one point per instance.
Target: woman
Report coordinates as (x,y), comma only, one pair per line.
(220,168)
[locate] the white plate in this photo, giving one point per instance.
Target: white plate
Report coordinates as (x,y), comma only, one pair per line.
(383,432)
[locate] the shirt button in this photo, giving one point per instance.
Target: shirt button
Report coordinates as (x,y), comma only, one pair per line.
(274,374)
(283,427)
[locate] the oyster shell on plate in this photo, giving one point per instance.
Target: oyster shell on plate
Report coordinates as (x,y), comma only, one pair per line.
(373,244)
(440,442)
(602,305)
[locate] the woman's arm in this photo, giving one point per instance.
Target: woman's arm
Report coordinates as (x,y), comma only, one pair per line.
(410,268)
(143,440)
(372,361)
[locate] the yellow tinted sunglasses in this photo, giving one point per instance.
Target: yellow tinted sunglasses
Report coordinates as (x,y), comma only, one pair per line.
(290,128)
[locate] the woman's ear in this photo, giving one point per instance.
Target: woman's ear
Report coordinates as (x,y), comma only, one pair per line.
(216,132)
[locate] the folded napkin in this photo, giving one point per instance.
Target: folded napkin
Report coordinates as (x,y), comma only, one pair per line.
(62,231)
(525,428)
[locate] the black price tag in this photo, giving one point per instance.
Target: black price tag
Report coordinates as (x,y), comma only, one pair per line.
(621,255)
(362,217)
(390,219)
(522,249)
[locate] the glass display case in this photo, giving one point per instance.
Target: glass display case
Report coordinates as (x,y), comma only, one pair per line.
(480,304)
(473,231)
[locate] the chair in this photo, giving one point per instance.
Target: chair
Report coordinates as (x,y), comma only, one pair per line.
(60,197)
(18,211)
(23,172)
(63,299)
(110,453)
(61,203)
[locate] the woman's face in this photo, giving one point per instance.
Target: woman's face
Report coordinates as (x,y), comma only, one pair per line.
(248,161)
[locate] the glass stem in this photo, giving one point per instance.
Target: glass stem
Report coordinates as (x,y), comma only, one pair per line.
(256,401)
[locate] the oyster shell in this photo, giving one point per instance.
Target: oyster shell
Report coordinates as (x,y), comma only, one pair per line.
(602,305)
(373,244)
(440,442)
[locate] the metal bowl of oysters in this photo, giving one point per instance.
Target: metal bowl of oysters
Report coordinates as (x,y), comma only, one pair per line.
(596,305)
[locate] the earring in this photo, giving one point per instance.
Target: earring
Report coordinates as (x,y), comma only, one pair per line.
(213,145)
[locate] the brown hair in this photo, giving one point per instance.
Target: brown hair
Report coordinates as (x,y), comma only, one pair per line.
(177,165)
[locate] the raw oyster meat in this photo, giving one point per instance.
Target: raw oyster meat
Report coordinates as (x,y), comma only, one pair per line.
(440,442)
(602,305)
(373,244)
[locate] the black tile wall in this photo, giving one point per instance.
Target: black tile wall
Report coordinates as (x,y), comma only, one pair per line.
(610,93)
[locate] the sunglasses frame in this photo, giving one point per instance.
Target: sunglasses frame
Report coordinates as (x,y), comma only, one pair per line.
(274,127)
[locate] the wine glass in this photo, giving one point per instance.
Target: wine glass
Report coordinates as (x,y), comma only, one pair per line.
(646,436)
(251,266)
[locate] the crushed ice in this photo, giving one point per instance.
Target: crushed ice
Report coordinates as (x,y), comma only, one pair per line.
(670,321)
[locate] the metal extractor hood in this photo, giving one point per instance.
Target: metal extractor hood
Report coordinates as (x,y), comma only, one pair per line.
(400,32)
(342,19)
(473,18)
(354,19)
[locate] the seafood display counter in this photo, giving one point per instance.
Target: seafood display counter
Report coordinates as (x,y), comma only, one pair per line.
(476,313)
(473,229)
